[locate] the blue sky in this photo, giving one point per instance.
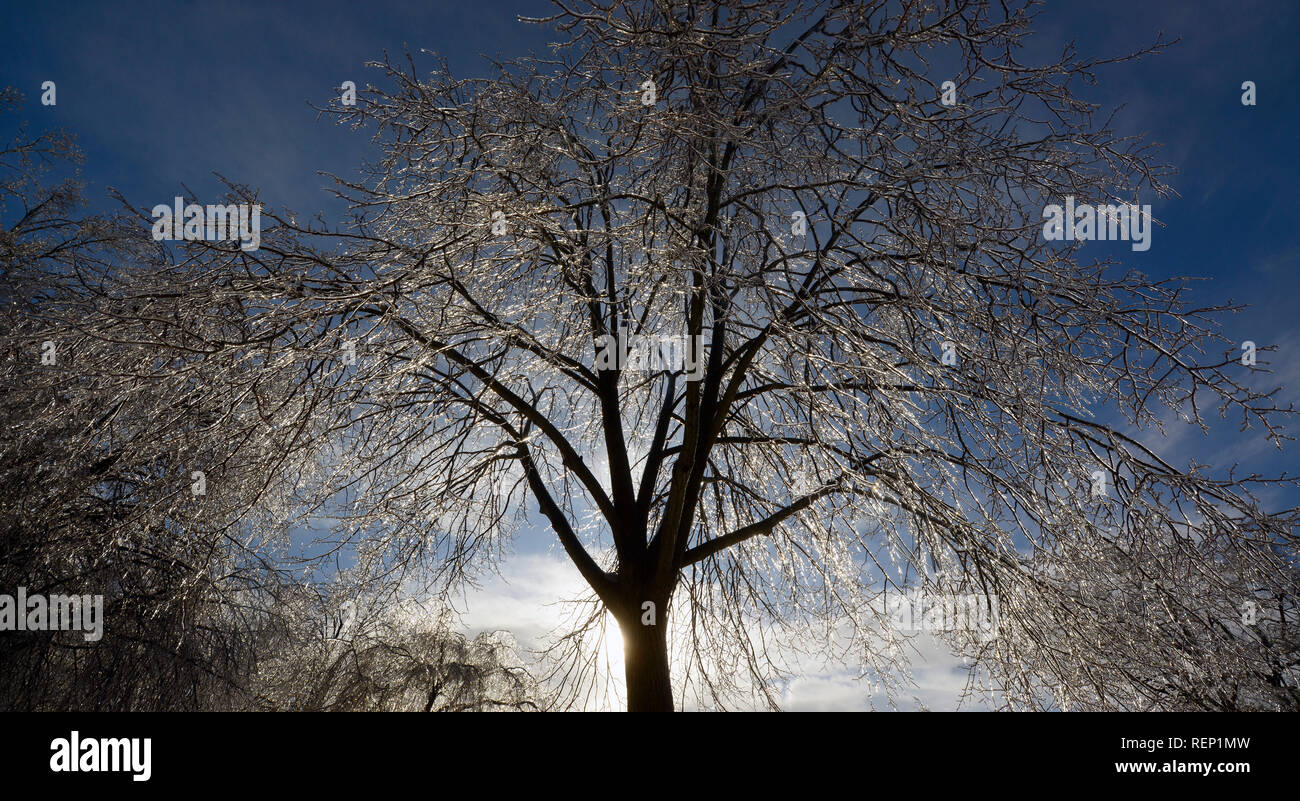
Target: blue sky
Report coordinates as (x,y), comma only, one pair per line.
(161,95)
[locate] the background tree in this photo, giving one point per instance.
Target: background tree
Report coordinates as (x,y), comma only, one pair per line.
(391,655)
(783,181)
(1159,631)
(101,436)
(146,474)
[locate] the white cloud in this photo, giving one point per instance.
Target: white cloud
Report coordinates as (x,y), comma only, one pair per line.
(527,598)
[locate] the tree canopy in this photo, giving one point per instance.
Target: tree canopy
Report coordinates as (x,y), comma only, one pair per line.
(903,383)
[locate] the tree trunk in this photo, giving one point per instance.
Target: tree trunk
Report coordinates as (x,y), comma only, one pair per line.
(645,659)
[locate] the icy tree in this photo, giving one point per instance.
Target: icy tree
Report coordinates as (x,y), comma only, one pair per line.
(903,383)
(123,471)
(393,655)
(147,473)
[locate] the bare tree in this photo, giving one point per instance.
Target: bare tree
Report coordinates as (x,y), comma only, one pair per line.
(97,489)
(141,474)
(901,382)
(379,653)
(1162,623)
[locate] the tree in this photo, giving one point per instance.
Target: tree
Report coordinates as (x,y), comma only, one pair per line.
(390,655)
(98,494)
(903,383)
(1159,631)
